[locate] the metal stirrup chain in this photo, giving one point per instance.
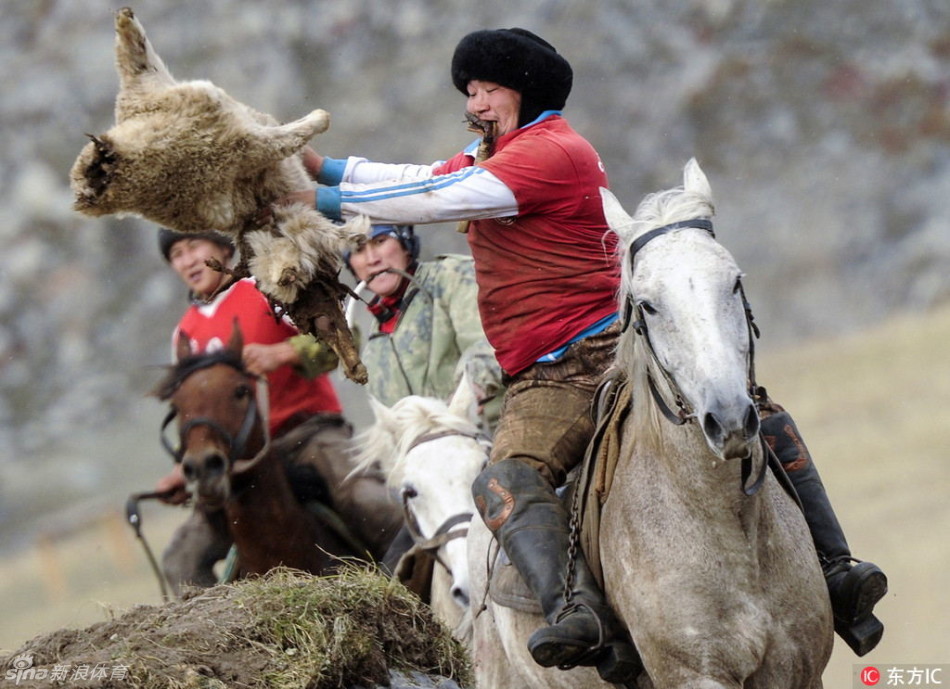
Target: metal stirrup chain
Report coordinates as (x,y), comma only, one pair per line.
(573,543)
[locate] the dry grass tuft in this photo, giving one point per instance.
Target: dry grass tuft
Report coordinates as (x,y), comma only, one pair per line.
(286,629)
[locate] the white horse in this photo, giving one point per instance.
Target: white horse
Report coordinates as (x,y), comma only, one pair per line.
(431,452)
(705,558)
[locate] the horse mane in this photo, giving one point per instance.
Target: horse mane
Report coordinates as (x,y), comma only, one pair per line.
(655,210)
(390,438)
(176,373)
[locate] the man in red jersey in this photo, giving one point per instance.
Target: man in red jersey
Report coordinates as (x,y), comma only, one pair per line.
(547,280)
(301,396)
(547,283)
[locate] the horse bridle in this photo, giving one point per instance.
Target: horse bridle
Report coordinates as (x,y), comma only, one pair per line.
(236,443)
(445,532)
(684,412)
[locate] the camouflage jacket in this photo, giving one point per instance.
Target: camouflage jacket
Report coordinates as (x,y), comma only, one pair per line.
(439,334)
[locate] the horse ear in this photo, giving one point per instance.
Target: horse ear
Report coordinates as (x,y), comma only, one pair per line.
(380,410)
(464,402)
(616,216)
(182,346)
(694,180)
(236,343)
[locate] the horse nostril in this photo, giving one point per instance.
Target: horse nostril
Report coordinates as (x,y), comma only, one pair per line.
(460,596)
(751,421)
(215,465)
(712,427)
(189,470)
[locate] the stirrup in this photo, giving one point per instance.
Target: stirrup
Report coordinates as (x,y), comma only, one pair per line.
(621,664)
(617,661)
(859,589)
(551,652)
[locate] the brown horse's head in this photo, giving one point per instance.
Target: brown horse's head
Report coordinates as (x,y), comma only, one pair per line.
(219,424)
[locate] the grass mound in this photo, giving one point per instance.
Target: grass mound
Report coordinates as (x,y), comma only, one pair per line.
(286,629)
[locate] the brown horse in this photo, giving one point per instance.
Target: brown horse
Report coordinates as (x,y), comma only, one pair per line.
(233,469)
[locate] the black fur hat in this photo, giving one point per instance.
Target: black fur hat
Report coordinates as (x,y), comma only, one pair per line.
(519,60)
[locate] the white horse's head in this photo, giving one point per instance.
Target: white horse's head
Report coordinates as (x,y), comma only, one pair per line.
(690,334)
(431,453)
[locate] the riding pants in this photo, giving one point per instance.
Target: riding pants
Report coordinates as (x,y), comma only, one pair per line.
(546,414)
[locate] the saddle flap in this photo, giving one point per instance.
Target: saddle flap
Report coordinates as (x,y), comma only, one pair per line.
(508,589)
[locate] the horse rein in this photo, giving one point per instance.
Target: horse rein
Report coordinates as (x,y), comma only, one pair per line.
(684,412)
(442,535)
(257,409)
(445,532)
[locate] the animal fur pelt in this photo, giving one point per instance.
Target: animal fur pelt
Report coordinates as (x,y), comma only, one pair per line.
(186,155)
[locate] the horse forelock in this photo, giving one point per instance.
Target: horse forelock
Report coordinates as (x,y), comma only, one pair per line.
(656,210)
(375,444)
(177,373)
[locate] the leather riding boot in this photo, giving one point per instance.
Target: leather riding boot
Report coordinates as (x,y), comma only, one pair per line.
(521,509)
(853,586)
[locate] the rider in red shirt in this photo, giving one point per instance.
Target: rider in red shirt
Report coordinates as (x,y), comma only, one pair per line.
(547,298)
(269,350)
(296,367)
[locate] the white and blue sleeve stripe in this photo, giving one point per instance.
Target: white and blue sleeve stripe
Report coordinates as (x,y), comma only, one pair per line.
(470,193)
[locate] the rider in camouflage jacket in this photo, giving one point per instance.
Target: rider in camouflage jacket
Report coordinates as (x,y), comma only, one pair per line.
(424,342)
(439,335)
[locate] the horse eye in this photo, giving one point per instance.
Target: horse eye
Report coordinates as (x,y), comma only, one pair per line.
(242,391)
(409,492)
(647,307)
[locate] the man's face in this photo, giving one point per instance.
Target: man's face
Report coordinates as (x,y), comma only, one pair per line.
(379,253)
(491,102)
(187,258)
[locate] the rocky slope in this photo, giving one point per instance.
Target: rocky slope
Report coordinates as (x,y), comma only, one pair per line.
(823,127)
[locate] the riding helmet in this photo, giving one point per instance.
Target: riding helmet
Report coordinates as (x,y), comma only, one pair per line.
(405,234)
(167,238)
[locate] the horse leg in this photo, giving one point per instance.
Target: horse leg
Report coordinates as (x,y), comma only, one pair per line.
(854,589)
(527,518)
(196,546)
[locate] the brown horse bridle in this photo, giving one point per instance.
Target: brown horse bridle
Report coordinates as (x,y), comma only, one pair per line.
(237,443)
